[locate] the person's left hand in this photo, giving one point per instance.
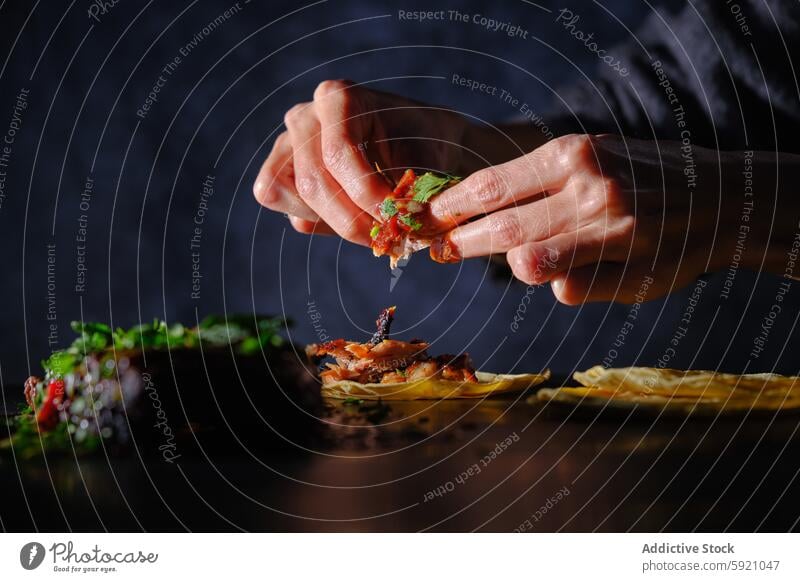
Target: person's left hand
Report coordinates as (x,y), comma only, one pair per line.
(599,216)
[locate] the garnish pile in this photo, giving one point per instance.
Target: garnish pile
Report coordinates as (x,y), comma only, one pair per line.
(90,390)
(402,215)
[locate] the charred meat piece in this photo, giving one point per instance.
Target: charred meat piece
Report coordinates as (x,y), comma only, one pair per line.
(384,323)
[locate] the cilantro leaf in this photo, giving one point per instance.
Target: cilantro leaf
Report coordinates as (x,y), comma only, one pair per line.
(429,185)
(388,208)
(410,221)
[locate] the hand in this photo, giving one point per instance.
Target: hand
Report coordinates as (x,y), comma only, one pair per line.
(320,171)
(606,218)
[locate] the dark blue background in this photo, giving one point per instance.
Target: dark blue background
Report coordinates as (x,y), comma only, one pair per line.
(226,101)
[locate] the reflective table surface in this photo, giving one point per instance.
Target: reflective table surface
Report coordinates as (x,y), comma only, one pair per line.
(494,465)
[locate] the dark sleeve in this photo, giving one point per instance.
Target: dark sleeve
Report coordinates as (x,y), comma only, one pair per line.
(728,67)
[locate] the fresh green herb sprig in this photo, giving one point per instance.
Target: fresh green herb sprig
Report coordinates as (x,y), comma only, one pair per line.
(410,221)
(28,441)
(248,334)
(388,208)
(429,185)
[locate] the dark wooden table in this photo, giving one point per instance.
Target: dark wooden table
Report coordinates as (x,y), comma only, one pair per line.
(560,472)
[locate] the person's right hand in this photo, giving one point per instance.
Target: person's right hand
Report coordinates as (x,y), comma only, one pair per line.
(320,171)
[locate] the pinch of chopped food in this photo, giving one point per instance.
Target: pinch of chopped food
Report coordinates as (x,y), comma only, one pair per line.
(398,233)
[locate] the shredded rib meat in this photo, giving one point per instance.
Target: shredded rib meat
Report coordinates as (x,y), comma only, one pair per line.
(387,360)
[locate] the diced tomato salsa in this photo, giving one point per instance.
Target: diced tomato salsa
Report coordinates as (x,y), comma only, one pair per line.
(405,184)
(387,235)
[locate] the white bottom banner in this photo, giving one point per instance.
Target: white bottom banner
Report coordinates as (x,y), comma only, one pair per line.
(353,557)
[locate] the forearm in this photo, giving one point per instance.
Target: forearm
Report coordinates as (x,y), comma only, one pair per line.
(762,214)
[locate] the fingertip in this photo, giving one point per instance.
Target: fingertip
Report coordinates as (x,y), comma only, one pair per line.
(262,193)
(557,283)
(444,250)
(564,292)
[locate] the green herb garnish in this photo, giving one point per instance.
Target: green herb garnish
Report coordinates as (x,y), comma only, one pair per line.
(410,221)
(249,334)
(94,410)
(429,185)
(374,232)
(388,208)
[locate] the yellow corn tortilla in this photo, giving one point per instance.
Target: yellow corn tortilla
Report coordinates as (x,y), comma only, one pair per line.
(692,391)
(435,389)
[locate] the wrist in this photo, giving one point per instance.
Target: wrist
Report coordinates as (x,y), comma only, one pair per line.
(761,209)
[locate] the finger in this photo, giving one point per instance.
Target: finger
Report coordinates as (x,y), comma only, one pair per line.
(504,230)
(538,262)
(274,186)
(528,177)
(343,147)
(605,282)
(316,186)
(310,227)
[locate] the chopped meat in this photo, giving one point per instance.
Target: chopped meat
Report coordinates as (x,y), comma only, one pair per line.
(387,360)
(384,323)
(402,227)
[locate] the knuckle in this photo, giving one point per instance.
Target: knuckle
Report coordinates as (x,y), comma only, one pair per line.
(334,155)
(584,153)
(306,185)
(350,231)
(505,230)
(295,114)
(282,140)
(490,188)
(264,188)
(591,202)
(579,151)
(523,265)
(573,142)
(534,263)
(330,87)
(598,196)
(611,191)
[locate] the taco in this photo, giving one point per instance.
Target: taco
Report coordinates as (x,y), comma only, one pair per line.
(679,391)
(390,369)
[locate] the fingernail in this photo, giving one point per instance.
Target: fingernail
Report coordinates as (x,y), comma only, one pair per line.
(443,250)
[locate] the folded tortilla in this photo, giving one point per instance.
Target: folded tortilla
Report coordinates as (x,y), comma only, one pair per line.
(434,388)
(692,391)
